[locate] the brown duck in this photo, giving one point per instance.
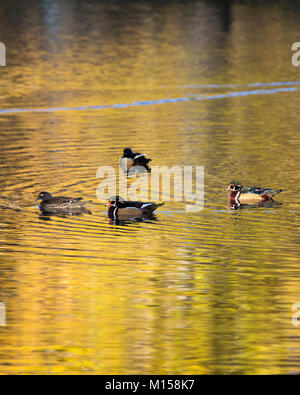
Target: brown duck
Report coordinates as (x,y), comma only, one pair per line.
(51,203)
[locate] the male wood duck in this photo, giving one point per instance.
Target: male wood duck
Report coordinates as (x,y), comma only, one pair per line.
(120,209)
(238,194)
(130,159)
(51,203)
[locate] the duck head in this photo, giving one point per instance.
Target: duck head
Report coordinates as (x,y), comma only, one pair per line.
(114,201)
(234,189)
(234,186)
(127,153)
(44,196)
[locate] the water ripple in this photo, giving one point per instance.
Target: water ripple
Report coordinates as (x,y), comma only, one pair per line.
(152,102)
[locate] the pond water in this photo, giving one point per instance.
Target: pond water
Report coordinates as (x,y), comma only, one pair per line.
(188,293)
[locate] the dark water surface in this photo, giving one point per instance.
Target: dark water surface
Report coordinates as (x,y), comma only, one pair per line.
(202,83)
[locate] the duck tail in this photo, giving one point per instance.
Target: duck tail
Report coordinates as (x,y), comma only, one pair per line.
(272,192)
(276,191)
(155,206)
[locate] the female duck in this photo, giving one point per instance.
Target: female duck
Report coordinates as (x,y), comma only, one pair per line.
(59,203)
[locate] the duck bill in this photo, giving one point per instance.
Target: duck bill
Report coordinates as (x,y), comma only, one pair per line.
(228,188)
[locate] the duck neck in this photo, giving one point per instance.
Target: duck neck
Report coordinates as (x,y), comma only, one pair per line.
(233,197)
(112,212)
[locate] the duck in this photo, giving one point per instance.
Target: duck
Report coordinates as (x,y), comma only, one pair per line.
(51,203)
(238,194)
(119,209)
(131,159)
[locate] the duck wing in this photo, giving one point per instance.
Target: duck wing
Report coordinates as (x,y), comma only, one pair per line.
(145,207)
(150,207)
(141,158)
(63,200)
(255,190)
(62,203)
(261,191)
(137,155)
(131,204)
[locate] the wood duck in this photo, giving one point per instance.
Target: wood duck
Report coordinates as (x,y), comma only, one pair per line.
(119,209)
(238,194)
(51,203)
(130,159)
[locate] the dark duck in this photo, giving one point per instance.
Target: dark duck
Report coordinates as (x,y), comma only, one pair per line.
(238,194)
(131,159)
(51,203)
(122,210)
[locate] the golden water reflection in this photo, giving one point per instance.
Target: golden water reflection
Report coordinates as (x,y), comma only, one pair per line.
(189,293)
